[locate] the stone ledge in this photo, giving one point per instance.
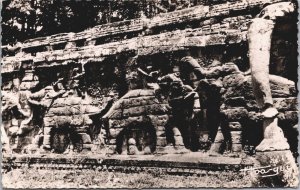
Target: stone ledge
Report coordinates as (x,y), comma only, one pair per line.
(189,14)
(194,160)
(209,35)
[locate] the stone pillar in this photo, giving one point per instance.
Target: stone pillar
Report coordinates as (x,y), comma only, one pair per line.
(273,156)
(273,137)
(259,38)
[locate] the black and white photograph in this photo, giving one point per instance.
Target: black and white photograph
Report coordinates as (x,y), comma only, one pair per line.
(137,94)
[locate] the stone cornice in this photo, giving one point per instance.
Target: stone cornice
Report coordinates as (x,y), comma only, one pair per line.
(226,30)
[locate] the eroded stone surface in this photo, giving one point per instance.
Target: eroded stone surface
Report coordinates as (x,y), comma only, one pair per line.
(280,169)
(109,66)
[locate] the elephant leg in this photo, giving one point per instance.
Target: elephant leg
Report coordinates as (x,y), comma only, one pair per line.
(169,132)
(194,136)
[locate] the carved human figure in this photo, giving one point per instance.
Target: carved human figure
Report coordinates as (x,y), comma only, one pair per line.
(210,91)
(259,38)
(78,82)
(100,119)
(11,109)
(181,103)
(42,100)
(151,78)
(10,102)
(214,72)
(133,77)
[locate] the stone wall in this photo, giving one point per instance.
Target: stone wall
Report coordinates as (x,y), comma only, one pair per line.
(214,35)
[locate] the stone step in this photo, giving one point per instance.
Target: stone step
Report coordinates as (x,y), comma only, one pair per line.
(193,160)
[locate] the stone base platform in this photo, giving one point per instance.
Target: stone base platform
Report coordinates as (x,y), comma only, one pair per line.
(188,163)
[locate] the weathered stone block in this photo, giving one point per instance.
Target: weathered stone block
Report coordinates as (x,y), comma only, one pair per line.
(252,105)
(110,149)
(86,139)
(114,132)
(159,120)
(285,104)
(116,114)
(236,137)
(47,130)
(88,109)
(112,141)
(292,116)
(137,119)
(82,129)
(237,148)
(138,93)
(60,102)
(60,111)
(117,123)
(27,85)
(73,100)
(28,77)
(160,133)
(235,114)
(88,146)
(238,91)
(75,110)
(279,163)
(155,109)
(235,102)
(233,80)
(155,121)
(87,120)
(132,102)
(280,87)
(65,120)
(147,93)
(161,141)
(47,139)
(254,116)
(160,128)
(76,120)
(134,111)
(48,121)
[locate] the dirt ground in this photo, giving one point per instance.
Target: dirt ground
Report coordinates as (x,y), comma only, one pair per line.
(33,178)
